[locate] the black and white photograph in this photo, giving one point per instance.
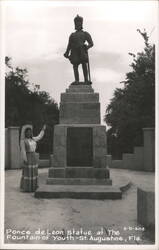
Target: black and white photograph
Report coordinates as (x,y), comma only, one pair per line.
(78,125)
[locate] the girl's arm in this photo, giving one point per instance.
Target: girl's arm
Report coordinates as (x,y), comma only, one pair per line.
(23,151)
(41,134)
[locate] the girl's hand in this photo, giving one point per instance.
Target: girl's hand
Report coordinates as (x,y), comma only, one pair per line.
(44,127)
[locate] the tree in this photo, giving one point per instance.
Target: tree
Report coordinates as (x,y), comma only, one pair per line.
(23,105)
(133,106)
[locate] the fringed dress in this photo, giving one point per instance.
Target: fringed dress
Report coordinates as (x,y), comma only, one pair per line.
(29,179)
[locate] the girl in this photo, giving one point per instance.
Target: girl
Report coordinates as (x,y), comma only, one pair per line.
(28,143)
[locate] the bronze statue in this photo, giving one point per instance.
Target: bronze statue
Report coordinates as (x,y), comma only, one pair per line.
(77,50)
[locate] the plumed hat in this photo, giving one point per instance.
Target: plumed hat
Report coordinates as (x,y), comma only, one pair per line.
(78,19)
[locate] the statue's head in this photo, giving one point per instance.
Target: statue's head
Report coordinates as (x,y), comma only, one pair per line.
(78,20)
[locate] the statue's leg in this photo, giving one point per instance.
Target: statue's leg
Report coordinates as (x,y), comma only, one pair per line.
(85,72)
(76,74)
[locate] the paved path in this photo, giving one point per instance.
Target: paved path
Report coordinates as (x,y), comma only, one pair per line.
(62,219)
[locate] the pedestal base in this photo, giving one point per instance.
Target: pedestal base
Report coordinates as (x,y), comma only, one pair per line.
(78,181)
(79,172)
(96,192)
(79,152)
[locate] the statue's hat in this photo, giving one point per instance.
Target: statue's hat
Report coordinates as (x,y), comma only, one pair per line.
(78,19)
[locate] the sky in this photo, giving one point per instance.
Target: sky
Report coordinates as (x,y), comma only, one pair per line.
(36,37)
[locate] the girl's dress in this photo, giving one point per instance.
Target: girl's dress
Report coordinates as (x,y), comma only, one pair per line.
(29,179)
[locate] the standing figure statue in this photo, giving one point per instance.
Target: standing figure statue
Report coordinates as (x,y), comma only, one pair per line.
(77,50)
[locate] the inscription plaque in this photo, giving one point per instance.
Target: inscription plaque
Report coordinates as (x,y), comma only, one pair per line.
(79,147)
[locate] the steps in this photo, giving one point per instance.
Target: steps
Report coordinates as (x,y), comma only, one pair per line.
(78,181)
(95,192)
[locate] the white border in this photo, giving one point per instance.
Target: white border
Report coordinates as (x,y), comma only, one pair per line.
(4,3)
(2,125)
(157,135)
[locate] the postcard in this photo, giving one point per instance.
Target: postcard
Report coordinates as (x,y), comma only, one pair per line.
(79,120)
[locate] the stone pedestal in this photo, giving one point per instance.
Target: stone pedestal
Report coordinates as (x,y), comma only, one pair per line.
(80,105)
(78,164)
(79,153)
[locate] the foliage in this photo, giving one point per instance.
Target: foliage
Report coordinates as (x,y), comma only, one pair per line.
(133,106)
(24,105)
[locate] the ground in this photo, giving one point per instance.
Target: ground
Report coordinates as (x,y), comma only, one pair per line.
(63,217)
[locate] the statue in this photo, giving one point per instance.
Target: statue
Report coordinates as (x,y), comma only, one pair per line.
(77,50)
